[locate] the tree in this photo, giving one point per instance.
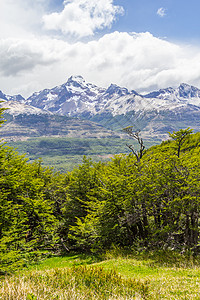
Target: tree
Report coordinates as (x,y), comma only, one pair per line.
(1,114)
(27,220)
(179,137)
(153,205)
(138,154)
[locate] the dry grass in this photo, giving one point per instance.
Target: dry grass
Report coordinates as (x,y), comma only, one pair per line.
(71,284)
(175,280)
(165,275)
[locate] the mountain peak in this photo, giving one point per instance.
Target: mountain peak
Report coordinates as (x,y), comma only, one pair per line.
(76,78)
(11,98)
(115,89)
(16,98)
(3,96)
(161,93)
(188,91)
(184,85)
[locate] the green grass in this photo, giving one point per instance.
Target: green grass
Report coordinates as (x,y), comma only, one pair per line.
(65,261)
(170,275)
(164,282)
(156,275)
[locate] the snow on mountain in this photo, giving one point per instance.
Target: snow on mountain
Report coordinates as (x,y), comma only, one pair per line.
(2,96)
(185,94)
(154,114)
(74,97)
(10,98)
(16,108)
(77,98)
(15,105)
(15,98)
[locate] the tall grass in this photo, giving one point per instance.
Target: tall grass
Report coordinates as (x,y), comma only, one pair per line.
(152,275)
(72,283)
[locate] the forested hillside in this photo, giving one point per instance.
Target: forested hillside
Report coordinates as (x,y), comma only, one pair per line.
(151,202)
(147,199)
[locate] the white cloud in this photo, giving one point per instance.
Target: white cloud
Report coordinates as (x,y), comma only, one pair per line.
(137,61)
(19,55)
(161,12)
(82,18)
(22,19)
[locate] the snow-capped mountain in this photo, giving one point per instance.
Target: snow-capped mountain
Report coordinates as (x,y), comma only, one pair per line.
(185,93)
(17,108)
(2,96)
(78,98)
(72,98)
(10,98)
(16,105)
(154,113)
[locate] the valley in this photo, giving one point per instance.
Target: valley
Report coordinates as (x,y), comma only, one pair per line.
(58,111)
(64,153)
(79,118)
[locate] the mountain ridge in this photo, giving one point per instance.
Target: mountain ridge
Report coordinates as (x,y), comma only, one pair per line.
(76,96)
(153,113)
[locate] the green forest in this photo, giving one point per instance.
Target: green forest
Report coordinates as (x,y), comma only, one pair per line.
(146,200)
(64,153)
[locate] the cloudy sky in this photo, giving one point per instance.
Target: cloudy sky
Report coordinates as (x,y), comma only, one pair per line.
(139,44)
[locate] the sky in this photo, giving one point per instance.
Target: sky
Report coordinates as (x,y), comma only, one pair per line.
(143,45)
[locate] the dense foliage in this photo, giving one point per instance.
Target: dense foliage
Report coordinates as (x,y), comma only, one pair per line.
(27,220)
(151,202)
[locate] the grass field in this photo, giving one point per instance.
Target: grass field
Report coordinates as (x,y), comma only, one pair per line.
(161,275)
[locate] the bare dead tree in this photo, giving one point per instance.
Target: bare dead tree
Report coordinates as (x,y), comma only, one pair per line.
(135,134)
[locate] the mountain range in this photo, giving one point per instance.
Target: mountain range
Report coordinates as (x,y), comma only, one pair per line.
(104,109)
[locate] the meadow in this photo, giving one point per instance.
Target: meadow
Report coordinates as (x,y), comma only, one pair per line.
(114,275)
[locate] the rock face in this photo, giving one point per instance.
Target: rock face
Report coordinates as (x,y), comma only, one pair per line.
(15,108)
(72,98)
(4,97)
(185,93)
(116,107)
(76,98)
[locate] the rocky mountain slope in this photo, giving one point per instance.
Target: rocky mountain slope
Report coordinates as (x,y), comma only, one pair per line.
(23,126)
(114,108)
(77,97)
